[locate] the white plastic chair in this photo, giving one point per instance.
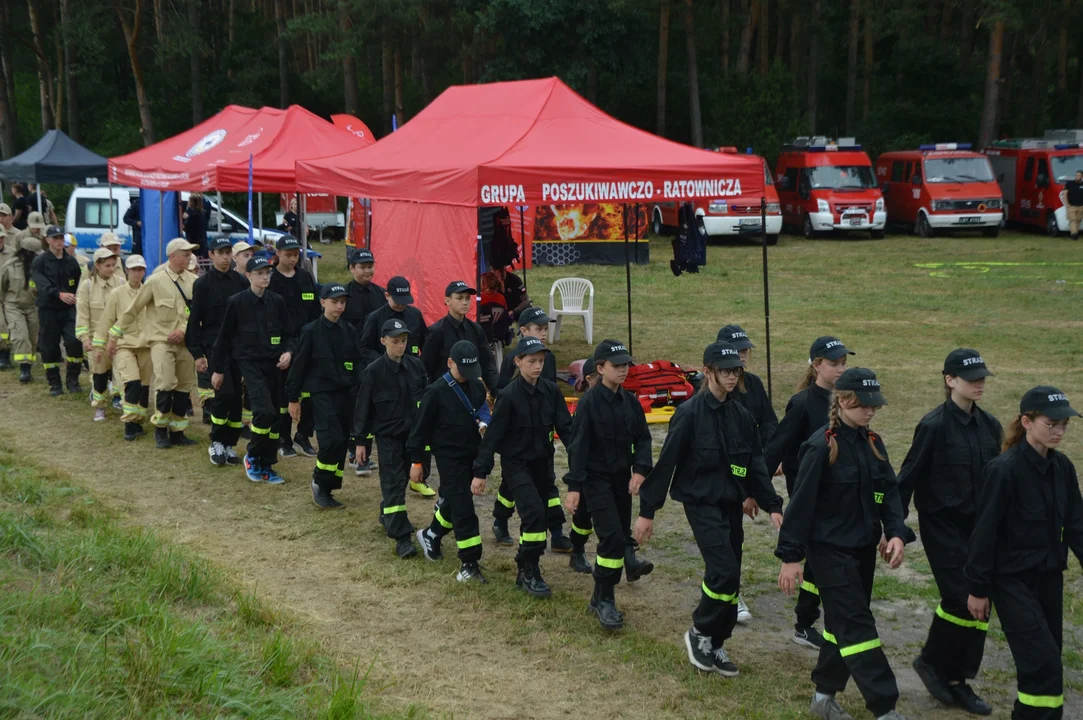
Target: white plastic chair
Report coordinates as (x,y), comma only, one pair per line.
(576,299)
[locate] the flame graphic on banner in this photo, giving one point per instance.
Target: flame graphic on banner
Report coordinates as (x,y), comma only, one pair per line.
(587,222)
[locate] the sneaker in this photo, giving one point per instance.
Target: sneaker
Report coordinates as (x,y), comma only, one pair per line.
(422,489)
(99,415)
(809,637)
(405,548)
(934,681)
(364,469)
(893,715)
(430,545)
(470,571)
(304,445)
(217,451)
(966,698)
(287,451)
(351,458)
(117,404)
(743,615)
(271,477)
(253,470)
(722,663)
(231,456)
(700,650)
(500,532)
(828,708)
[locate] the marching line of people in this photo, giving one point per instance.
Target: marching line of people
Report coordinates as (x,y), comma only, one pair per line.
(356,365)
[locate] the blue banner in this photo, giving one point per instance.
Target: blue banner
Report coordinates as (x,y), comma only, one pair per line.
(151,204)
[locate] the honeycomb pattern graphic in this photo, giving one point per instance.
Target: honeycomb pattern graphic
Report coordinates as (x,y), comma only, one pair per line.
(557,254)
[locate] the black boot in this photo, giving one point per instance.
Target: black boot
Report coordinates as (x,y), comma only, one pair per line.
(73,378)
(603,604)
(5,360)
(500,530)
(557,542)
(24,373)
(131,431)
(179,439)
(530,579)
(161,438)
(578,562)
(52,375)
(634,568)
(206,417)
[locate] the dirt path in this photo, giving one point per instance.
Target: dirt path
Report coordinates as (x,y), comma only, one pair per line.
(477,652)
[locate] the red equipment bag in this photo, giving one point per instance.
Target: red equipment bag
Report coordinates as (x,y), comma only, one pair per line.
(660,382)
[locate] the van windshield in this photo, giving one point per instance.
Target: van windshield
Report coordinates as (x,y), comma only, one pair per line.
(767,178)
(1065,167)
(957,170)
(840,177)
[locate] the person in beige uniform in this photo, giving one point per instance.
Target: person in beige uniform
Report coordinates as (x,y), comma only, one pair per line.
(165,297)
(132,368)
(19,319)
(7,225)
(8,246)
(90,302)
(35,227)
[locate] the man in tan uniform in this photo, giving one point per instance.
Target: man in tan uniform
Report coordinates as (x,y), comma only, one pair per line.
(8,246)
(165,296)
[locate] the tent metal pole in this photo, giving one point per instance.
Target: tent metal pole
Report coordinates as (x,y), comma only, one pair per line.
(219,200)
(522,239)
(628,274)
(37,188)
(260,195)
(112,220)
(766,293)
(161,216)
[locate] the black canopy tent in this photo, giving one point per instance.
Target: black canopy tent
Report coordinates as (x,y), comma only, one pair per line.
(55,158)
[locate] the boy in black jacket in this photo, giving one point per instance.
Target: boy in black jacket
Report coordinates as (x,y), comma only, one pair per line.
(327,366)
(454,327)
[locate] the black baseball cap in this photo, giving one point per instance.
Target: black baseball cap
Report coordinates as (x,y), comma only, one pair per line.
(332,290)
(222,241)
(863,382)
(465,356)
(967,364)
(288,243)
(53,231)
(588,367)
(1048,401)
(398,288)
(828,347)
(361,255)
(257,263)
(458,287)
(533,316)
(393,328)
(612,351)
(736,336)
(529,346)
(722,354)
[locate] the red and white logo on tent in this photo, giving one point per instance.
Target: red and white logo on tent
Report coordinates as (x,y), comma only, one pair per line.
(207,142)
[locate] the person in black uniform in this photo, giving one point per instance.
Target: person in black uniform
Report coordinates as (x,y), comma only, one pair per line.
(806,412)
(1030,514)
(533,323)
(257,333)
(712,455)
(942,472)
(534,408)
(452,328)
(56,276)
(391,387)
(452,419)
(362,298)
(210,293)
(610,453)
(582,531)
(298,289)
(327,365)
(846,502)
(133,220)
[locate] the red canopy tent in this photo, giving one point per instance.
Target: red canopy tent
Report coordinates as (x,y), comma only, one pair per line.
(529,142)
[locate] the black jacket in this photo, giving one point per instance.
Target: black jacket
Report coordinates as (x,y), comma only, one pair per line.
(805,413)
(301,294)
(53,275)
(524,419)
(370,334)
(1029,515)
(447,331)
(254,328)
(327,360)
(943,468)
(361,300)
(389,397)
(759,407)
(507,368)
(848,504)
(712,455)
(444,424)
(609,437)
(210,293)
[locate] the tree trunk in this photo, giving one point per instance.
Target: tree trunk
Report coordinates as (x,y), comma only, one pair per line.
(387,71)
(930,16)
(1038,72)
(45,75)
(592,83)
(663,65)
(726,36)
(780,37)
(866,94)
(8,116)
(1079,104)
(349,62)
(131,39)
(813,64)
(992,85)
(1062,51)
(231,35)
(945,22)
(693,75)
(851,65)
(69,70)
(194,70)
(283,55)
(400,111)
(744,50)
(159,21)
(795,44)
(763,36)
(966,33)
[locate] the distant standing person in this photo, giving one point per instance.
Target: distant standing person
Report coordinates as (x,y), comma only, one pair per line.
(1072,197)
(47,208)
(195,224)
(20,206)
(133,220)
(290,222)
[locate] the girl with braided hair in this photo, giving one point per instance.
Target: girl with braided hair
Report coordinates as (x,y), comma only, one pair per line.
(845,503)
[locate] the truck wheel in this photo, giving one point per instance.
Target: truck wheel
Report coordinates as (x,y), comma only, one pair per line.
(876,234)
(656,224)
(991,232)
(1051,228)
(922,226)
(772,239)
(807,230)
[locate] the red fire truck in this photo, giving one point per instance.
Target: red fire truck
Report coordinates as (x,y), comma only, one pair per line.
(1032,173)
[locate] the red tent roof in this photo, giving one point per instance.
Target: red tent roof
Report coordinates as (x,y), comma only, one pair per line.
(527,142)
(214,154)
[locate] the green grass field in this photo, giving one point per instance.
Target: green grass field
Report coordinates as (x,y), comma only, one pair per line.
(142,583)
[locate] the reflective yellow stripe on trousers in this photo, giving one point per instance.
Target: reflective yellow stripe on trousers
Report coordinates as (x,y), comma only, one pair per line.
(961,622)
(1042,701)
(722,597)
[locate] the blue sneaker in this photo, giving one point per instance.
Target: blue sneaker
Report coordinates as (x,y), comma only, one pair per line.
(253,470)
(271,477)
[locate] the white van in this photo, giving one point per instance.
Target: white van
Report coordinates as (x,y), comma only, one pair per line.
(89,216)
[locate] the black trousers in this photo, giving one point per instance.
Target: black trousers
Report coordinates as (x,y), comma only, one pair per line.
(504,505)
(394,476)
(807,611)
(172,404)
(853,645)
(528,483)
(610,506)
(455,507)
(285,422)
(263,380)
(1030,607)
(55,325)
(136,400)
(719,534)
(204,388)
(224,407)
(956,640)
(334,418)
